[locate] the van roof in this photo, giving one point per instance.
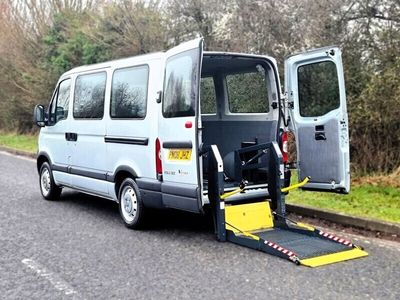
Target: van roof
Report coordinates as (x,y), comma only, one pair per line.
(116,63)
(122,62)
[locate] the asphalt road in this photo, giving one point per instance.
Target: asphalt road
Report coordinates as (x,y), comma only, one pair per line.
(78,248)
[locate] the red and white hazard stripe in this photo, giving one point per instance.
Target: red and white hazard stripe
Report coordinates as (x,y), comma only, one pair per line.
(336,238)
(280,249)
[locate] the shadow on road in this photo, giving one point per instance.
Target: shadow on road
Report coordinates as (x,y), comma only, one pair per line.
(156,220)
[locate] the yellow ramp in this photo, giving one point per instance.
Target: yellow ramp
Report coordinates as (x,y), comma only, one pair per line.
(305,245)
(249,217)
(333,258)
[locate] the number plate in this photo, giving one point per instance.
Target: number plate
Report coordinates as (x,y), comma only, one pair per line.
(179,154)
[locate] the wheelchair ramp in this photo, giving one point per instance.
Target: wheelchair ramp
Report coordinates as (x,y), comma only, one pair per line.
(252,225)
(311,250)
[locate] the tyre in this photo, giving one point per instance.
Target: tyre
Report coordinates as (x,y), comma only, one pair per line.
(131,207)
(48,188)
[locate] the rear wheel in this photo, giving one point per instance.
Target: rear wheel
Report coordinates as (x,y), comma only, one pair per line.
(48,188)
(130,204)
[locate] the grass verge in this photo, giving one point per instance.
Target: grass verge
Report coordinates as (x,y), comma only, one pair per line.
(371,198)
(24,142)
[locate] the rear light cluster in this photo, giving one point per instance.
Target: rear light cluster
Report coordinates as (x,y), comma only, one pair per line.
(158,160)
(284,146)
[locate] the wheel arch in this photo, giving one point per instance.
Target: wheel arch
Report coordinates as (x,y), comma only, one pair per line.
(120,174)
(41,158)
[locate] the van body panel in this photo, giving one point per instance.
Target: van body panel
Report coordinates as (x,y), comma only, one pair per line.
(61,178)
(131,141)
(89,155)
(91,185)
(88,150)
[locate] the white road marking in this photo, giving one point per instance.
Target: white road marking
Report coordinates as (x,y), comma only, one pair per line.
(18,156)
(56,281)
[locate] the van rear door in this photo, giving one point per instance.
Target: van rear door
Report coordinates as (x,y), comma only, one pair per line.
(315,86)
(178,126)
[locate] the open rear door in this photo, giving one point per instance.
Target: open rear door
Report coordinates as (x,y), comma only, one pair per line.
(315,85)
(178,127)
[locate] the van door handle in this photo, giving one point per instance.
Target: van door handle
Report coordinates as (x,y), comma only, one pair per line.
(320,136)
(71,136)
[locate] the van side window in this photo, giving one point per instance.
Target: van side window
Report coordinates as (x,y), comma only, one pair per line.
(247,92)
(318,89)
(129,92)
(180,85)
(59,106)
(89,96)
(208,99)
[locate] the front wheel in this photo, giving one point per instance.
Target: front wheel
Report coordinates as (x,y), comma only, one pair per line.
(131,207)
(48,188)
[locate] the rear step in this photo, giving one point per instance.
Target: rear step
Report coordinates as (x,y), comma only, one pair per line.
(256,226)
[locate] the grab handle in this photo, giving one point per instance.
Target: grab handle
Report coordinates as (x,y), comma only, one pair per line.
(297,185)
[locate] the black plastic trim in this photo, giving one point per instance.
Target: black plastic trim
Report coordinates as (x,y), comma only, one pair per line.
(158,194)
(111,176)
(179,189)
(87,173)
(178,145)
(80,172)
(154,193)
(59,168)
(180,196)
(39,155)
(179,202)
(131,141)
(149,184)
(152,199)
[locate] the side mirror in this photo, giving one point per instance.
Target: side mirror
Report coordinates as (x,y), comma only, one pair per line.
(38,116)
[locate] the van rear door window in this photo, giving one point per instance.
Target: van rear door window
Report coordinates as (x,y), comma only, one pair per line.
(248,92)
(180,85)
(89,96)
(208,99)
(129,92)
(318,89)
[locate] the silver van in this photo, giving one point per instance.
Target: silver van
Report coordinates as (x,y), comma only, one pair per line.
(137,130)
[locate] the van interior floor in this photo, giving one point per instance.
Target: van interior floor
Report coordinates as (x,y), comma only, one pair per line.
(227,185)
